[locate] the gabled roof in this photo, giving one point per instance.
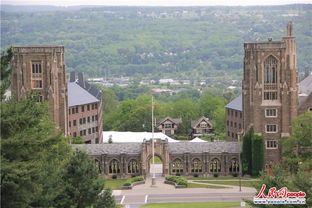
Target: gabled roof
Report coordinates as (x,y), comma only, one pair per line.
(195,123)
(236,104)
(79,96)
(305,89)
(173,120)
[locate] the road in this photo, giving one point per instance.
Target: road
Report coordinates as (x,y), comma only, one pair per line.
(143,194)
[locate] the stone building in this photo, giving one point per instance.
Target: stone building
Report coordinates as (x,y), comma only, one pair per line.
(270,93)
(202,126)
(85,110)
(185,158)
(234,119)
(41,69)
(168,125)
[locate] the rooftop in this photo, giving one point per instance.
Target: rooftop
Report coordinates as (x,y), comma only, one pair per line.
(79,96)
(236,104)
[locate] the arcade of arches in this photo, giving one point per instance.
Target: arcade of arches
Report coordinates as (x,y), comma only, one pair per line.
(184,158)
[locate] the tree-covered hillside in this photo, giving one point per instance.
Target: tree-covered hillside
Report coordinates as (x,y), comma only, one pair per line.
(158,42)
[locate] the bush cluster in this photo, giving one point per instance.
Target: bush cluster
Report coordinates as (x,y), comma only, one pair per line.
(132,180)
(177,179)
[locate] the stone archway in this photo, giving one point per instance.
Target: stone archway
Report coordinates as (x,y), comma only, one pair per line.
(158,167)
(161,150)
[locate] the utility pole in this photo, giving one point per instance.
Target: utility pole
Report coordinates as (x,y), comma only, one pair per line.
(153,145)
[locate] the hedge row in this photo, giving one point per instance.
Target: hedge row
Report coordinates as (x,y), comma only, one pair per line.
(132,180)
(177,179)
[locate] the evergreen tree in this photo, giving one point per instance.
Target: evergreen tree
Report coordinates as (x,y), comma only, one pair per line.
(247,153)
(105,200)
(6,70)
(257,154)
(81,181)
(32,155)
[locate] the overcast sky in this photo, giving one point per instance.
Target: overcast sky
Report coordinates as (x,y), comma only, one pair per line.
(153,2)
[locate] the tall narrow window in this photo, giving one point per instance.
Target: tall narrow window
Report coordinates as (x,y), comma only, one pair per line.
(270,70)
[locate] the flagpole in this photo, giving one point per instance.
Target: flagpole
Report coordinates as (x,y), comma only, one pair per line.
(153,151)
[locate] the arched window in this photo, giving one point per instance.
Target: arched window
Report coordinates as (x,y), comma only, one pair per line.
(114,166)
(215,166)
(197,166)
(97,164)
(133,166)
(270,70)
(234,167)
(177,166)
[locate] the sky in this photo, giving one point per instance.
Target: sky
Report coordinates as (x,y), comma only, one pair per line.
(154,2)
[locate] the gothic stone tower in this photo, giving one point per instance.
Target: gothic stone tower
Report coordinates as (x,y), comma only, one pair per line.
(41,69)
(270,91)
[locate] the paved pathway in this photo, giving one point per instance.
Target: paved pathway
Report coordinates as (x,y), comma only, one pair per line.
(146,193)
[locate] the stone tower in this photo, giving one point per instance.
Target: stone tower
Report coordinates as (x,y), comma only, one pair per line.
(41,69)
(270,91)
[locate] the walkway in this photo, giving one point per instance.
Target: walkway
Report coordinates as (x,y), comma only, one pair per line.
(145,193)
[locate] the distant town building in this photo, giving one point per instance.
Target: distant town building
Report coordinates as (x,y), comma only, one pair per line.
(234,119)
(305,95)
(85,110)
(168,125)
(41,69)
(202,127)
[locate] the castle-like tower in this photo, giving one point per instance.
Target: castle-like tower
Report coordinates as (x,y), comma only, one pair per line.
(270,91)
(41,69)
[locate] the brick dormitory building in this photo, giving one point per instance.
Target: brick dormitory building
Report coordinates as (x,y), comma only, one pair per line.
(84,110)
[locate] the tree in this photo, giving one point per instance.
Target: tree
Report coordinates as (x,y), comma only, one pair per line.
(6,70)
(105,200)
(247,152)
(297,148)
(32,155)
(257,145)
(82,184)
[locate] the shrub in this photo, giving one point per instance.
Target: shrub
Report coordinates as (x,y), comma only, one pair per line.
(127,184)
(114,176)
(195,175)
(178,174)
(132,180)
(177,179)
(234,174)
(216,175)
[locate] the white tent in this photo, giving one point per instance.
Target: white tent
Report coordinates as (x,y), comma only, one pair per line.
(197,140)
(118,136)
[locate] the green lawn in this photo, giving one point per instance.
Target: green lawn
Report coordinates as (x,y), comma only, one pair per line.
(193,205)
(232,183)
(193,185)
(114,184)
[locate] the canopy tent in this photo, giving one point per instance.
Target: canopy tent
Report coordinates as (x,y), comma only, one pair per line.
(197,140)
(119,137)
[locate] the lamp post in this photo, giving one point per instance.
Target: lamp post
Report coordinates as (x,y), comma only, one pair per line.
(153,145)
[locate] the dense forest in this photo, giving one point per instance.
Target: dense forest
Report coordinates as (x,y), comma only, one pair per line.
(175,42)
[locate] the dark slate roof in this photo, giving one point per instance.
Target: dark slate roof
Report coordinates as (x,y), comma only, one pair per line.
(173,120)
(305,89)
(236,104)
(79,96)
(200,147)
(99,149)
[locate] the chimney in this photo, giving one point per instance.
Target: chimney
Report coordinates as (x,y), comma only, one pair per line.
(80,79)
(72,76)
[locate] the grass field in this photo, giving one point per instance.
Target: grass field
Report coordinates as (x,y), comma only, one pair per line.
(193,205)
(114,184)
(232,183)
(193,185)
